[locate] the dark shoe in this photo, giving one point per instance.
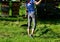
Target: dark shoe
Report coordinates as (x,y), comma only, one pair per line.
(31,36)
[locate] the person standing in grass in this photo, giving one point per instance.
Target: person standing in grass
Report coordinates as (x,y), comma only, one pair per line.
(31,15)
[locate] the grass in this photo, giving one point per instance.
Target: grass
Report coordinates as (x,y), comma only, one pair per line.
(15,31)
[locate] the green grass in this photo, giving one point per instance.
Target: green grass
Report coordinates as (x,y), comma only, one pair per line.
(13,31)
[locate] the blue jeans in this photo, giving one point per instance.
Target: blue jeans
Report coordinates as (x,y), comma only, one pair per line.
(31,19)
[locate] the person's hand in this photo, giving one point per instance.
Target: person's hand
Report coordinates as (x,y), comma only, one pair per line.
(25,16)
(37,2)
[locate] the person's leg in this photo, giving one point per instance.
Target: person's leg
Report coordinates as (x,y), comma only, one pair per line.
(29,24)
(34,26)
(34,23)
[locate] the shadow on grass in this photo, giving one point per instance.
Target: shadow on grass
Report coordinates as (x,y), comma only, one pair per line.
(46,32)
(11,18)
(49,21)
(24,25)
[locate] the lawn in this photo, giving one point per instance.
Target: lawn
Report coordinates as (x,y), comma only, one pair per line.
(15,31)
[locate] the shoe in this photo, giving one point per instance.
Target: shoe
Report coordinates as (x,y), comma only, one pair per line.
(31,36)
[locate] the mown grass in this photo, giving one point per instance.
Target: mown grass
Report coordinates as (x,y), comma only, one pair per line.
(15,31)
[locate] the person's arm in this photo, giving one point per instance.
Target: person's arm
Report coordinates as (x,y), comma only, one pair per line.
(37,2)
(26,13)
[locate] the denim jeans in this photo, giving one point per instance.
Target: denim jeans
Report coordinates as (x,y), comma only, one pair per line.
(31,19)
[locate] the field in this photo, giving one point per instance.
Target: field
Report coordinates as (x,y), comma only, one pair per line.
(14,30)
